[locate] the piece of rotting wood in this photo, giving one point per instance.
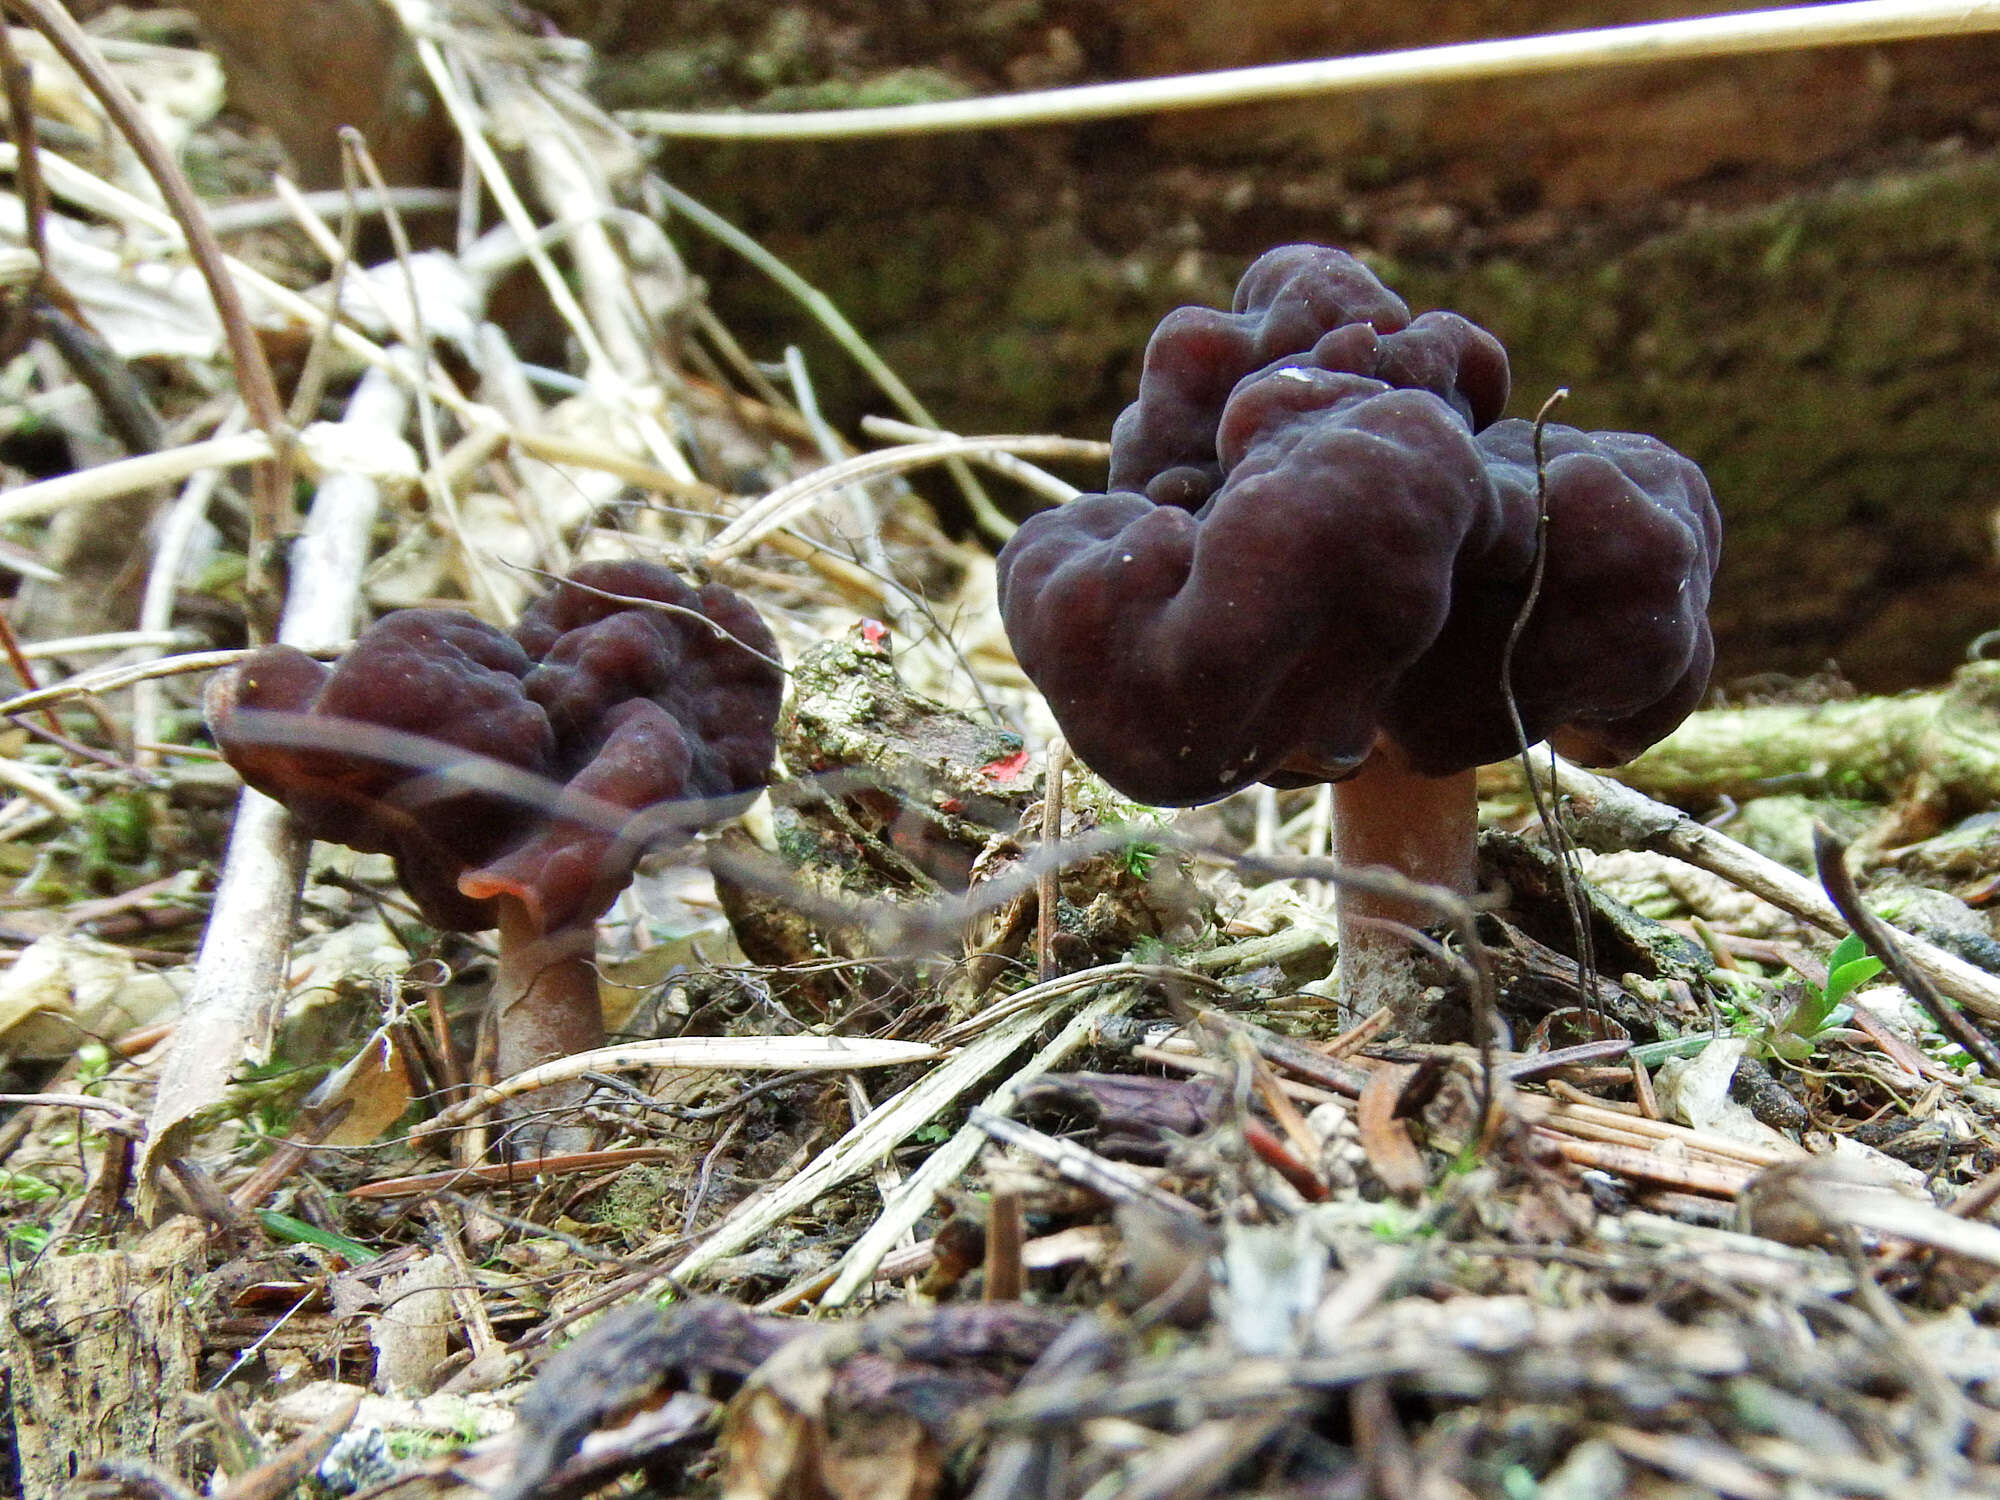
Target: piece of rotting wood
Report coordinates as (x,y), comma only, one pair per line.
(97,1349)
(1005,1278)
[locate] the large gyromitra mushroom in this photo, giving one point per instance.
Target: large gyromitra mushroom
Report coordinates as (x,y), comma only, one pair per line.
(1318,539)
(630,708)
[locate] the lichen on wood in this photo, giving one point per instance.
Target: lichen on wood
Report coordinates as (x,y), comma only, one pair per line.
(101,1348)
(1934,754)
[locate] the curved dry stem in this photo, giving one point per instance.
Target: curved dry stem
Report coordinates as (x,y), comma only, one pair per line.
(991,519)
(1777,30)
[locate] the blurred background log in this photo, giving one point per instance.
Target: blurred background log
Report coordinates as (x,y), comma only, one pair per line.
(1787,265)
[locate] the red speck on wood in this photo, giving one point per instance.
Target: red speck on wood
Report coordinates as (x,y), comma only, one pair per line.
(1006,768)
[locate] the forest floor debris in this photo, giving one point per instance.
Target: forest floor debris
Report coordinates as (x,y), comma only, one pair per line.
(1111,1197)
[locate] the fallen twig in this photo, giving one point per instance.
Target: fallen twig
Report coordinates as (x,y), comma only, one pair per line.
(784,1054)
(1647,1166)
(1110,1180)
(1610,816)
(1048,886)
(947,1162)
(239,976)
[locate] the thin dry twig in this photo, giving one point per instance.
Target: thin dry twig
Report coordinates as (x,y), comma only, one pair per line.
(15,776)
(110,679)
(1855,23)
(513,1173)
(1048,888)
(1028,475)
(1830,855)
(947,1162)
(697,1054)
(1073,1163)
(788,501)
(1709,1180)
(129,476)
(289,1468)
(171,542)
(1608,815)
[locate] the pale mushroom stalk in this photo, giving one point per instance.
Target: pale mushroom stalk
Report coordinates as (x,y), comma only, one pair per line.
(1422,827)
(545,1002)
(544,1006)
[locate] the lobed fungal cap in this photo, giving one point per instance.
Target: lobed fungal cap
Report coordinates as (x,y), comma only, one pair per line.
(403,746)
(1332,553)
(1302,305)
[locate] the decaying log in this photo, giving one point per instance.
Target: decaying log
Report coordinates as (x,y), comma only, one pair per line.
(98,1350)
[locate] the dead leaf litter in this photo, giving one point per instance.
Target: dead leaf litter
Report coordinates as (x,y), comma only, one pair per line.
(951,1139)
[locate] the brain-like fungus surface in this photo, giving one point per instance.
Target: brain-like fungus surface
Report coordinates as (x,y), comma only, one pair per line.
(623,705)
(517,776)
(1319,536)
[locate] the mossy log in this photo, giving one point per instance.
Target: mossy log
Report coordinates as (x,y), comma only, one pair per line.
(1936,754)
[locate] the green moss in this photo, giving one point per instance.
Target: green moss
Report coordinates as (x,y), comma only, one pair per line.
(1821,359)
(632,1202)
(675,77)
(796,844)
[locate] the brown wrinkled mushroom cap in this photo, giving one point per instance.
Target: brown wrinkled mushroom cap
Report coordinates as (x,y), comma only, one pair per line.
(1319,539)
(624,706)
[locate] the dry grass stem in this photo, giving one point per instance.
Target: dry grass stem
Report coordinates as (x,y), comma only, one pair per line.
(697,1054)
(131,476)
(1854,23)
(110,679)
(949,1160)
(1038,480)
(789,501)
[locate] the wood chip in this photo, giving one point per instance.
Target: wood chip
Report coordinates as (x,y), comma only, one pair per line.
(1391,1153)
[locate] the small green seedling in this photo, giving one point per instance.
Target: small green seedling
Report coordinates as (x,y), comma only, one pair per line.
(1848,967)
(1137,857)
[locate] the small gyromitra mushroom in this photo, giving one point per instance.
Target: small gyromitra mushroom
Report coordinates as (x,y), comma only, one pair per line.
(649,703)
(1318,538)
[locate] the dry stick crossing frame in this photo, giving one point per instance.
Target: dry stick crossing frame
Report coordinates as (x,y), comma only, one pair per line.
(1852,23)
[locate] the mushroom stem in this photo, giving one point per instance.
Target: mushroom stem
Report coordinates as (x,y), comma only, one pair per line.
(544,1006)
(1424,827)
